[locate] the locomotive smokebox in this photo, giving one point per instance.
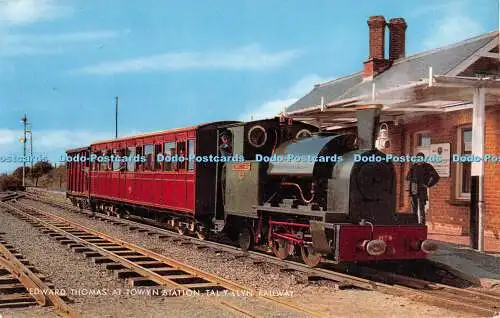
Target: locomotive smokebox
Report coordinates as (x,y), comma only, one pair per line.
(368,119)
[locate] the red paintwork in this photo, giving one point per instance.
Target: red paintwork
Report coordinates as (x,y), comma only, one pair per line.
(290,237)
(171,190)
(76,177)
(397,237)
(288,224)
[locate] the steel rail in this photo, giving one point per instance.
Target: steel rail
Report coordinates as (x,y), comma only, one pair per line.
(226,284)
(126,263)
(35,286)
(330,275)
(429,292)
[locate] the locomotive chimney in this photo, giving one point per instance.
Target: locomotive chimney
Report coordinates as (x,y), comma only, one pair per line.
(368,117)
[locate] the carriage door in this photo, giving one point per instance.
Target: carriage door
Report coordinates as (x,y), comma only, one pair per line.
(181,186)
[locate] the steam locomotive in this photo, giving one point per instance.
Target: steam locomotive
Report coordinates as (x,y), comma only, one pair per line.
(292,188)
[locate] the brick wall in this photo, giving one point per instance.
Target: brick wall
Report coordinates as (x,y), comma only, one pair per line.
(446,213)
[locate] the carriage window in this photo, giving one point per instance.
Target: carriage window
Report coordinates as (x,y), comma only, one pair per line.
(181,151)
(157,164)
(122,163)
(191,154)
(139,164)
(169,152)
(149,154)
(131,159)
(116,162)
(107,164)
(95,163)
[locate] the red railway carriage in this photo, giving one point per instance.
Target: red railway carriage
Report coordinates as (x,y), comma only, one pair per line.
(144,184)
(143,180)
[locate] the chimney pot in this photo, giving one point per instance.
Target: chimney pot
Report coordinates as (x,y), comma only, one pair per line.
(376,25)
(376,62)
(397,38)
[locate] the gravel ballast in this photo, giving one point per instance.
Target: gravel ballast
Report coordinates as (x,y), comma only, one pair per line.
(323,296)
(76,276)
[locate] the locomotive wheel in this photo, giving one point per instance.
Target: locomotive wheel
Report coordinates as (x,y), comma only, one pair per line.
(281,248)
(201,232)
(309,257)
(180,229)
(245,239)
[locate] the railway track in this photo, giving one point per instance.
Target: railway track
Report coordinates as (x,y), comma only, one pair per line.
(142,267)
(21,285)
(465,300)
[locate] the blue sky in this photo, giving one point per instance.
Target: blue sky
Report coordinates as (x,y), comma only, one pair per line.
(178,63)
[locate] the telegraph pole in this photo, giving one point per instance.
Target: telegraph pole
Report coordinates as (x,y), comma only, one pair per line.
(116,117)
(24,120)
(30,131)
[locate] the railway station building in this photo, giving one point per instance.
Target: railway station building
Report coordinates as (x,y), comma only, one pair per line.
(446,101)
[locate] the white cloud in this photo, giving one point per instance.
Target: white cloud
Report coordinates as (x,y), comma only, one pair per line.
(38,44)
(52,139)
(14,12)
(453,26)
(7,137)
(50,144)
(64,37)
(284,99)
(251,57)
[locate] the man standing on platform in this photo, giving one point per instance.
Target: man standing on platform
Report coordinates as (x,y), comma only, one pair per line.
(421,176)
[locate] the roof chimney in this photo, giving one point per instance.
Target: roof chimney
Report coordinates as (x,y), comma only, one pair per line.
(376,62)
(397,35)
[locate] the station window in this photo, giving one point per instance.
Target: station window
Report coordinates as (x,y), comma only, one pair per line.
(149,154)
(181,151)
(191,154)
(463,176)
(169,151)
(423,140)
(132,159)
(157,164)
(139,165)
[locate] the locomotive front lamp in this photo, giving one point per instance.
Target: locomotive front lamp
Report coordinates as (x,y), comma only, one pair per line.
(429,246)
(376,247)
(373,247)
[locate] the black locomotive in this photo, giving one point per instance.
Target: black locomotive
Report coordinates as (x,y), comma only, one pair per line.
(325,194)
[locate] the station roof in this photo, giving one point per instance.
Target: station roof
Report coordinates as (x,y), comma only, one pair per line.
(408,72)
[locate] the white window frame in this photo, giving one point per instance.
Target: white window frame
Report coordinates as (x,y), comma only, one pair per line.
(426,133)
(459,166)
